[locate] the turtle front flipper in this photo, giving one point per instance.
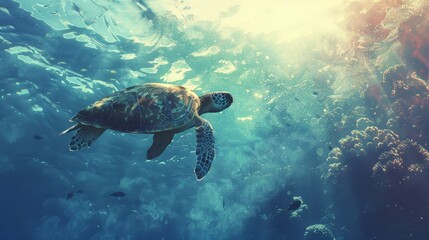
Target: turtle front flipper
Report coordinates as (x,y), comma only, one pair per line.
(84,137)
(205,148)
(160,142)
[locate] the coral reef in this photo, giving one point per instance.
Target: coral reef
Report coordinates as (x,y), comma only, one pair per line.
(402,164)
(380,170)
(386,175)
(318,232)
(402,101)
(382,149)
(354,148)
(409,96)
(401,83)
(341,117)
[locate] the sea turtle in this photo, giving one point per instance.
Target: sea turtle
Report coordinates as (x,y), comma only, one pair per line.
(153,108)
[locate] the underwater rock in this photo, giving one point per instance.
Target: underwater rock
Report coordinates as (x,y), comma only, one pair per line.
(318,232)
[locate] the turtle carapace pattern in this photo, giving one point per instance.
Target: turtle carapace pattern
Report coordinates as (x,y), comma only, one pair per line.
(153,108)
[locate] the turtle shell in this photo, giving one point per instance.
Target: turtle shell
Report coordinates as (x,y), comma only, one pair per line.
(146,108)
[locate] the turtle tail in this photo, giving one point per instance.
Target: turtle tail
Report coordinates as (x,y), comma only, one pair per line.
(85,136)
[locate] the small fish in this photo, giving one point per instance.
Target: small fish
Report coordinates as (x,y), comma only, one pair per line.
(318,116)
(117,194)
(79,191)
(296,99)
(315,93)
(294,205)
(223,204)
(43,6)
(330,148)
(288,124)
(37,137)
(76,8)
(69,195)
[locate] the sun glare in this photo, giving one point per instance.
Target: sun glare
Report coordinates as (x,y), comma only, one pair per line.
(287,19)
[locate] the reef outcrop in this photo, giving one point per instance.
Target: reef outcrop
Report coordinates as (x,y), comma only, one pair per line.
(402,101)
(318,232)
(385,174)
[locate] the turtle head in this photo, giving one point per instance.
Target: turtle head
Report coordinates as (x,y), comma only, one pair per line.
(215,102)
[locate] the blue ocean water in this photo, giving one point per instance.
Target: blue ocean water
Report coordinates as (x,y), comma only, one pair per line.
(331,104)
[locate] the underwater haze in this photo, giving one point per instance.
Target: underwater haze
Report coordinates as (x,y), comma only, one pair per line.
(327,137)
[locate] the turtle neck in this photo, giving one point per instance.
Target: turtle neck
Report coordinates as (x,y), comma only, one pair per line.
(205,106)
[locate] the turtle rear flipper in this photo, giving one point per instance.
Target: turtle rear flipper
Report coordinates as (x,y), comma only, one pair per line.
(84,137)
(205,149)
(160,142)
